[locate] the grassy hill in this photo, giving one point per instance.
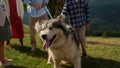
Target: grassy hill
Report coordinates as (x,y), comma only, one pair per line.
(102,53)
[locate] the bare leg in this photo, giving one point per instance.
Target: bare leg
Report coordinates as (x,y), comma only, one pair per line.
(21,41)
(2,51)
(2,58)
(8,42)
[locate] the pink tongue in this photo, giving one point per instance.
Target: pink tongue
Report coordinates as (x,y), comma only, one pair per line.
(46,44)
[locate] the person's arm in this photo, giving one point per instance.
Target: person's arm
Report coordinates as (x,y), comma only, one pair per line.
(87,12)
(87,15)
(65,9)
(20,8)
(7,8)
(2,14)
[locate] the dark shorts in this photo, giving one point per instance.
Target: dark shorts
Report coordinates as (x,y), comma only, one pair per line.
(5,32)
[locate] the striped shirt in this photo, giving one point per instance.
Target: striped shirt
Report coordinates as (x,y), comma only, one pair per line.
(77,11)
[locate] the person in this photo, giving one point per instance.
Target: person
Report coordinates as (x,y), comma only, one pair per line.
(78,14)
(15,13)
(5,34)
(36,13)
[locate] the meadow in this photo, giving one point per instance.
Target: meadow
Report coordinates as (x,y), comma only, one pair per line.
(102,53)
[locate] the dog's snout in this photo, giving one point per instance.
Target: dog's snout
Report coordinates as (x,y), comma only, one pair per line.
(44,36)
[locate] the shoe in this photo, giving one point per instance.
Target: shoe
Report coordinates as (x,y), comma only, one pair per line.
(9,60)
(33,49)
(84,54)
(5,64)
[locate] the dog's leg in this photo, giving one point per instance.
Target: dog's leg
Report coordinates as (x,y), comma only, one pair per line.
(77,63)
(56,63)
(49,59)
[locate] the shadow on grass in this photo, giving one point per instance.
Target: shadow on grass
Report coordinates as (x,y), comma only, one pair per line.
(90,62)
(27,50)
(87,62)
(12,66)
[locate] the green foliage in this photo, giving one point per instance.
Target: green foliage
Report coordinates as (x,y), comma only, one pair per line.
(55,7)
(100,27)
(104,35)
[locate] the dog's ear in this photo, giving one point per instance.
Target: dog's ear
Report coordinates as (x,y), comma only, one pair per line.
(38,26)
(60,18)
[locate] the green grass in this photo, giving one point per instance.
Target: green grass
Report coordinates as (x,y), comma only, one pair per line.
(102,53)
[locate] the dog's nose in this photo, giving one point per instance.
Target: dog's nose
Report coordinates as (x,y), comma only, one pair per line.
(44,36)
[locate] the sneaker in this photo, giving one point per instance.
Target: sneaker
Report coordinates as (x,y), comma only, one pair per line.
(84,54)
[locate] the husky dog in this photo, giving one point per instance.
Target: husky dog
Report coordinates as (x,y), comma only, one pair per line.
(61,41)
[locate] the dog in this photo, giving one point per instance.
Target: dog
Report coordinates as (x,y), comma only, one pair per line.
(61,41)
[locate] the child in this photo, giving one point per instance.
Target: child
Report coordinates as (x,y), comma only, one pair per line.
(5,34)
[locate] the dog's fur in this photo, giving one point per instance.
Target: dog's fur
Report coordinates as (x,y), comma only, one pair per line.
(61,41)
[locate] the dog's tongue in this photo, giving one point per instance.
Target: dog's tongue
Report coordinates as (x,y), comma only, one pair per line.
(46,44)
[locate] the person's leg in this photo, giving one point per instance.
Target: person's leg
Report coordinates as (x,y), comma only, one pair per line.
(32,32)
(8,42)
(2,58)
(81,32)
(2,51)
(21,41)
(21,32)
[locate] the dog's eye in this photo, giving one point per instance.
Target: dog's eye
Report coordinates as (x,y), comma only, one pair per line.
(50,28)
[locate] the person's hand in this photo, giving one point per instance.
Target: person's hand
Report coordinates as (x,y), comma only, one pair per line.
(37,7)
(44,3)
(87,25)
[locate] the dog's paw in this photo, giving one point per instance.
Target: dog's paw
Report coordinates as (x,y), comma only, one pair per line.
(49,62)
(63,62)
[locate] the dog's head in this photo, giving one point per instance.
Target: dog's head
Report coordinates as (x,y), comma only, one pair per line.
(52,32)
